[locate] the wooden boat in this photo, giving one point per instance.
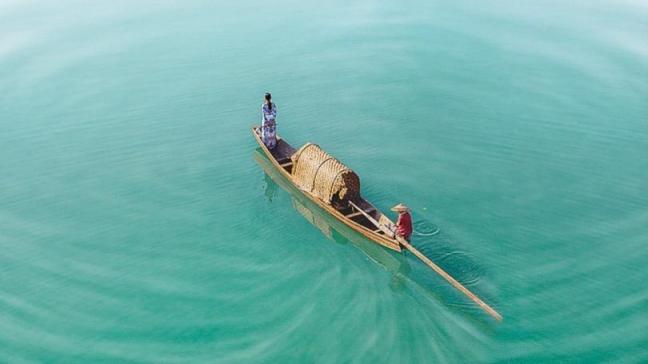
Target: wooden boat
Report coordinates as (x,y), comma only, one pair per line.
(332,228)
(360,215)
(350,216)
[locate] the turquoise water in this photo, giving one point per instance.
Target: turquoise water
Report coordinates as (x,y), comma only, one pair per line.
(137,224)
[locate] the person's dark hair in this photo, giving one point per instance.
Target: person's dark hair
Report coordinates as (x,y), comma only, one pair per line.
(268,98)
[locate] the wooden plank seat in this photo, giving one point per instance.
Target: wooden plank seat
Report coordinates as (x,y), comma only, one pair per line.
(284,160)
(358,213)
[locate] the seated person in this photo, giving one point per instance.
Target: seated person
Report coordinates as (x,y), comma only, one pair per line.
(403,226)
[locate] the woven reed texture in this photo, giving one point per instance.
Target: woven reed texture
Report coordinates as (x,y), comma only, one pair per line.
(319,173)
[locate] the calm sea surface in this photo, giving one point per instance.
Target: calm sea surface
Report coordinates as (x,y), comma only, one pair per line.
(137,224)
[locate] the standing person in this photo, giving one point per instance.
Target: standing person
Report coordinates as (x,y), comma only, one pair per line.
(404,222)
(268,123)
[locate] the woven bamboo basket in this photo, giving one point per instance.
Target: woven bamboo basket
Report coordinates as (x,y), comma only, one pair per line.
(319,173)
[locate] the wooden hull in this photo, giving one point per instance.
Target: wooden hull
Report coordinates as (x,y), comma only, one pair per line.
(331,227)
(284,150)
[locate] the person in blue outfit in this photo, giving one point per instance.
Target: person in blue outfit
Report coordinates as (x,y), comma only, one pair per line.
(268,123)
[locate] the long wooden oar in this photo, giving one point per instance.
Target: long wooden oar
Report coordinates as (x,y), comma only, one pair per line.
(434,267)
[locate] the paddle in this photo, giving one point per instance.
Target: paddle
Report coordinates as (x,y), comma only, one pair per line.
(434,267)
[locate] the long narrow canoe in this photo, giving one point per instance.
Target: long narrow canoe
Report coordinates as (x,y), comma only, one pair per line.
(350,216)
(362,217)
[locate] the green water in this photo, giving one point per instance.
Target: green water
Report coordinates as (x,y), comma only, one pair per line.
(137,225)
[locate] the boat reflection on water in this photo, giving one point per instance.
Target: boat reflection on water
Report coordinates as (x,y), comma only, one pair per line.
(327,224)
(270,187)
